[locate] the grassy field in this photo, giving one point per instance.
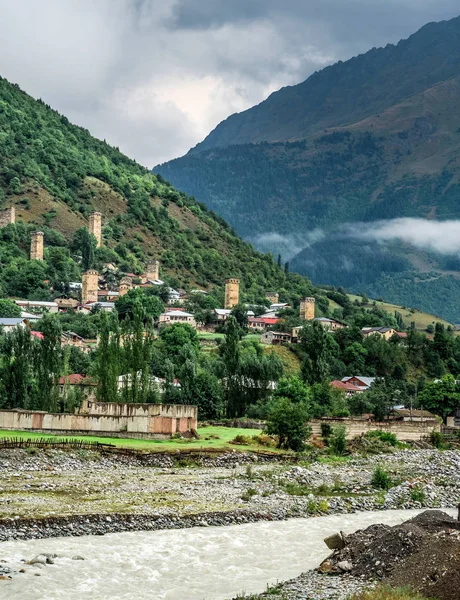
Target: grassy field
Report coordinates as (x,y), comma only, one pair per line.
(203,335)
(210,437)
(422,319)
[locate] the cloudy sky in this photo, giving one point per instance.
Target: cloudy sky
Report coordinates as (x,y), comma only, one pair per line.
(155,76)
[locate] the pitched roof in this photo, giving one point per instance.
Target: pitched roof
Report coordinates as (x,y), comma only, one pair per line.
(11,321)
(342,385)
(367,381)
(407,412)
(75,379)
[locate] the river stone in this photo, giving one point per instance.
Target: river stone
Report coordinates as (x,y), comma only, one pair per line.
(335,541)
(345,566)
(40,559)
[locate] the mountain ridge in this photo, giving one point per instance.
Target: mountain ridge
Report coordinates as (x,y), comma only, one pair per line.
(385,144)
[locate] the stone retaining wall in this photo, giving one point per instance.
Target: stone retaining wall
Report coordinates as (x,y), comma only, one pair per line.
(405,431)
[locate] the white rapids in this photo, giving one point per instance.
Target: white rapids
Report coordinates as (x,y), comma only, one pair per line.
(202,563)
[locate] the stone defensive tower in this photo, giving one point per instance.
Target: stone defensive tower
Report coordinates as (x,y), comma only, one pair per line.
(272,297)
(126,284)
(95,226)
(232,292)
(7,216)
(152,270)
(89,286)
(36,245)
(307,309)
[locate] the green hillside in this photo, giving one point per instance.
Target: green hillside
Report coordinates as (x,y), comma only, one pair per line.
(376,137)
(55,174)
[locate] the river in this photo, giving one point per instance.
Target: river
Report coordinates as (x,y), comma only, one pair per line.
(211,563)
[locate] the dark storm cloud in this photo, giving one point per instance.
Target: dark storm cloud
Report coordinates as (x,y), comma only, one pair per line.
(155,76)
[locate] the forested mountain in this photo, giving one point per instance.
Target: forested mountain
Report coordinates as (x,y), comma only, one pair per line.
(376,137)
(55,174)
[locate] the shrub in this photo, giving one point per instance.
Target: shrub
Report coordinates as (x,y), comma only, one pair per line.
(326,430)
(436,439)
(381,479)
(417,495)
(338,440)
(384,436)
(241,440)
(248,494)
(323,505)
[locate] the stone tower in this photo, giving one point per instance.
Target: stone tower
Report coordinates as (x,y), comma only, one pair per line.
(95,226)
(232,292)
(126,284)
(307,309)
(7,216)
(90,286)
(152,270)
(36,245)
(272,297)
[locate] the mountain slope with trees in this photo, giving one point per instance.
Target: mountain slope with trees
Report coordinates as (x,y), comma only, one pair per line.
(55,174)
(376,137)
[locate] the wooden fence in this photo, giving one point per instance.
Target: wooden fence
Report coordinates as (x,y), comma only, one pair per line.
(72,444)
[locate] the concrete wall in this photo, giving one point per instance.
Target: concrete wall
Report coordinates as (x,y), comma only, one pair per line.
(404,431)
(156,421)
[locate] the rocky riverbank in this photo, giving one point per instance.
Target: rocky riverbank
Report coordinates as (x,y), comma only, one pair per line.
(54,493)
(422,553)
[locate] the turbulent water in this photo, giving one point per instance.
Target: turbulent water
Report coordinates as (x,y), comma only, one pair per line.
(212,563)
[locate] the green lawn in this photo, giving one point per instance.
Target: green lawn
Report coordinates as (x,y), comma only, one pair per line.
(223,436)
(203,335)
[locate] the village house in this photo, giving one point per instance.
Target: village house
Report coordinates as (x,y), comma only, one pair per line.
(177,316)
(85,384)
(364,383)
(453,418)
(326,322)
(9,323)
(66,303)
(279,306)
(105,306)
(37,306)
(70,338)
(107,295)
(384,332)
(349,388)
(275,338)
(261,323)
(222,314)
(411,415)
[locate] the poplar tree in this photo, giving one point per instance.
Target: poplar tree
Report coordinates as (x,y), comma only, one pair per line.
(48,364)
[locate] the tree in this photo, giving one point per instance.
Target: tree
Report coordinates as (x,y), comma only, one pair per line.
(151,306)
(84,243)
(9,309)
(240,312)
(108,359)
(288,421)
(17,383)
(441,397)
(231,360)
(294,389)
(49,363)
(320,349)
(136,356)
(174,337)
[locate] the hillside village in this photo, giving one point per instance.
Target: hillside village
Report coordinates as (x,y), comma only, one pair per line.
(275,324)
